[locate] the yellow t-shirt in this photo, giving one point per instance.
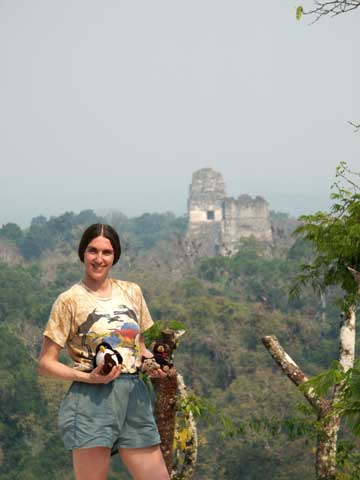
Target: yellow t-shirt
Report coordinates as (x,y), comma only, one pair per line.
(81,320)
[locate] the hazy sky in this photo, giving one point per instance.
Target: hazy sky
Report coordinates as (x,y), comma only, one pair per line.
(114,104)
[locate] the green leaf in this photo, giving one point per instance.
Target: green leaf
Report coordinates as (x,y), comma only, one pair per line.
(325,380)
(299,12)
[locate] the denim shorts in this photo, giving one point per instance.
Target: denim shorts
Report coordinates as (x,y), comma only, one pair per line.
(116,415)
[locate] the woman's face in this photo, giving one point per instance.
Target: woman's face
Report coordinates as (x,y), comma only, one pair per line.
(98,259)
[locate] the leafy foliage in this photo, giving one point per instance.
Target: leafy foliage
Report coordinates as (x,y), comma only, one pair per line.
(335,237)
(322,383)
(144,232)
(11,231)
(299,12)
(348,403)
(224,304)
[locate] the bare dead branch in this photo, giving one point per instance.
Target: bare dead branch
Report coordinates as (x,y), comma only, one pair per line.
(356,126)
(355,274)
(332,8)
(293,372)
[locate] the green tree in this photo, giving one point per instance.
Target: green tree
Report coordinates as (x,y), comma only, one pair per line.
(335,237)
(11,231)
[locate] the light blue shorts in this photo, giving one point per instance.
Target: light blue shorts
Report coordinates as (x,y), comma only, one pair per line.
(116,415)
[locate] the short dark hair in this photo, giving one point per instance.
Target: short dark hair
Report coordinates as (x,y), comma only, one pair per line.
(100,230)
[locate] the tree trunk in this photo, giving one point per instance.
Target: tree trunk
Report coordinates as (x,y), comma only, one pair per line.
(325,464)
(327,438)
(168,390)
(165,412)
(347,339)
(184,470)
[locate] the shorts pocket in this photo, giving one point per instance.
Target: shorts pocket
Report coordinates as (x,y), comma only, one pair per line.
(66,416)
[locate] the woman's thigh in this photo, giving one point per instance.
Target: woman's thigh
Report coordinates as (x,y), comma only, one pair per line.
(91,463)
(144,463)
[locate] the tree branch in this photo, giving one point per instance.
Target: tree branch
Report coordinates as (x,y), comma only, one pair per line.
(293,371)
(332,8)
(356,126)
(355,274)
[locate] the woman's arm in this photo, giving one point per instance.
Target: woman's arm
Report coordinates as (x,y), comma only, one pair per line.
(144,352)
(50,366)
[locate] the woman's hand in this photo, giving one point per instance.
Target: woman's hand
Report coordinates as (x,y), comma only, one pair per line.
(95,375)
(144,352)
(158,373)
(50,366)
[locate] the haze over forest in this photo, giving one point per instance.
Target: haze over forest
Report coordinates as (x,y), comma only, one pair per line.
(115,105)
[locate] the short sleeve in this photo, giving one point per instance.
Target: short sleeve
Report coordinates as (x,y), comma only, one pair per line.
(59,324)
(145,318)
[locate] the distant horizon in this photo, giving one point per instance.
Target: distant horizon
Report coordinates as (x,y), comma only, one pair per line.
(301,205)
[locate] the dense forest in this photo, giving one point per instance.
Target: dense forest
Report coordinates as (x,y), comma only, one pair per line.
(254,423)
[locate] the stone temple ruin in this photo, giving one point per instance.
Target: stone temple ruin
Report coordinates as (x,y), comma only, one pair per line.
(217,222)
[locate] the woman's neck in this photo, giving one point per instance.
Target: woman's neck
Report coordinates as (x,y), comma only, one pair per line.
(101,288)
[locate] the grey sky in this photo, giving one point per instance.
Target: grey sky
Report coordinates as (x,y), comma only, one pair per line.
(114,104)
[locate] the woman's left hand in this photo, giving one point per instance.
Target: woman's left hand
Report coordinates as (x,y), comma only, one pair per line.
(156,373)
(144,352)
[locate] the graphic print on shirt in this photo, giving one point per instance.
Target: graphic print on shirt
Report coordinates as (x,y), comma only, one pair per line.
(119,329)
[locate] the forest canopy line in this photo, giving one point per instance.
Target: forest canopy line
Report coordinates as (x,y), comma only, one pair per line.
(226,305)
(44,234)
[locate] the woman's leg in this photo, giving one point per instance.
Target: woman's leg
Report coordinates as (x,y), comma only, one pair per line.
(144,463)
(91,463)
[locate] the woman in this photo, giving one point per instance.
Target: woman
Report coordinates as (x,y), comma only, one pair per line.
(103,413)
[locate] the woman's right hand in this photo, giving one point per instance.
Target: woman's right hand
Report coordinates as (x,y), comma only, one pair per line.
(95,375)
(50,366)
